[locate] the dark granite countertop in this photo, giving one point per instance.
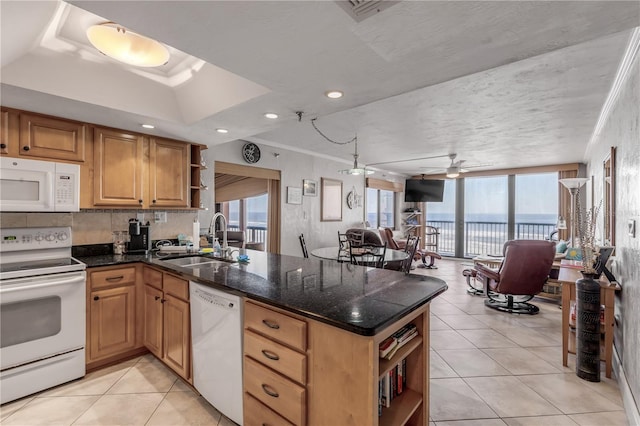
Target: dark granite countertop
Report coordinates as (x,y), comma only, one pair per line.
(358,299)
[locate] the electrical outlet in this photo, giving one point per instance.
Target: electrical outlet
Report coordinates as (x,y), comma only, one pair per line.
(160,217)
(631,228)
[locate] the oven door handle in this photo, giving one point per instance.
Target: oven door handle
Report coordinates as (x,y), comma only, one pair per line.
(41,283)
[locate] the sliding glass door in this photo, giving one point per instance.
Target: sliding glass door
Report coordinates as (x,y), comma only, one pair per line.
(442,216)
(486,210)
(536,206)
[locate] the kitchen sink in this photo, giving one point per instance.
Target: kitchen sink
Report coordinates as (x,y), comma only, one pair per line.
(195,261)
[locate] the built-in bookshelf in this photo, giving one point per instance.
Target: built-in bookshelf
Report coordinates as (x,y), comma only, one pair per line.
(407,402)
(348,392)
(410,223)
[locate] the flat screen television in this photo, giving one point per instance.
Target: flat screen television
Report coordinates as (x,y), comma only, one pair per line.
(423,190)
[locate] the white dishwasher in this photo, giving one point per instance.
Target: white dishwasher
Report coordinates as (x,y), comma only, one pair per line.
(216,331)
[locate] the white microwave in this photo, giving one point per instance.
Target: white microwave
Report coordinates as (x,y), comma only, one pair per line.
(38,186)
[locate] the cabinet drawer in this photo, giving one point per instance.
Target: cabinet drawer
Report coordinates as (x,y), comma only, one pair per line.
(113,277)
(152,277)
(175,286)
(257,414)
(280,327)
(282,359)
(284,396)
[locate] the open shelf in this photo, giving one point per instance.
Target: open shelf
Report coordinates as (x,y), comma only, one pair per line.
(402,408)
(196,168)
(387,364)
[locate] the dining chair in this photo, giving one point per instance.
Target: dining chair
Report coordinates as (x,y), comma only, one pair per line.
(303,245)
(355,236)
(410,249)
(343,245)
(368,255)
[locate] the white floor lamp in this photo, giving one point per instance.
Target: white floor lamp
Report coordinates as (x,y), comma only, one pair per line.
(573,184)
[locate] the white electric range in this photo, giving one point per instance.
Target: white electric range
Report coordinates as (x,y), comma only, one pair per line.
(42,311)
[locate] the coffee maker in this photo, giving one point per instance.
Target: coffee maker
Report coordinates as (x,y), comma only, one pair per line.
(139,241)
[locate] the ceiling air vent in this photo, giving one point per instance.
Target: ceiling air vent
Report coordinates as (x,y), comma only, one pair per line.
(360,10)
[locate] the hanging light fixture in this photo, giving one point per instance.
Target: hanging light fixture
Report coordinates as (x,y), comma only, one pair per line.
(126,46)
(355,170)
(453,172)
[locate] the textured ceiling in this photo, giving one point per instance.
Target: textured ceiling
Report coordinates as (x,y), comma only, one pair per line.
(502,83)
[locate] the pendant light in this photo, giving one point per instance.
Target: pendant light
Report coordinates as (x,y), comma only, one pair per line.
(355,170)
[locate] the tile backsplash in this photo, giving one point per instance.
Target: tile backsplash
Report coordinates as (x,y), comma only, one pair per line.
(95,227)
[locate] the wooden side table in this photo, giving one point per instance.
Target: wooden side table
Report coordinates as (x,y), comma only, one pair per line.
(567,277)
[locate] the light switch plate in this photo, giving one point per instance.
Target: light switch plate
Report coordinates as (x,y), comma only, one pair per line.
(631,228)
(160,217)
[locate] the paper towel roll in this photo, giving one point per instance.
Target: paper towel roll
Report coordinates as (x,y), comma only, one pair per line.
(196,235)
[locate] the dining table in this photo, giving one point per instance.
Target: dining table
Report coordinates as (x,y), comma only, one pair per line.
(334,253)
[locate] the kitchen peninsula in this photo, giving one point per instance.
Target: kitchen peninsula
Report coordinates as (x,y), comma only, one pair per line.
(325,321)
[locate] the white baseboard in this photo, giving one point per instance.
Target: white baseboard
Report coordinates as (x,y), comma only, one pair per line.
(630,406)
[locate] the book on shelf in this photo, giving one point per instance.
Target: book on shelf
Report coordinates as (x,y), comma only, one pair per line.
(391,343)
(398,345)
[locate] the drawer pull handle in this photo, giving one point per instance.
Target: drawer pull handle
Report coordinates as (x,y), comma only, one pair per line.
(269,391)
(271,324)
(118,278)
(157,297)
(96,297)
(270,355)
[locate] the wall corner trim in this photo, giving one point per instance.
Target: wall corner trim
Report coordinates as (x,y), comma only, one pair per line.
(624,69)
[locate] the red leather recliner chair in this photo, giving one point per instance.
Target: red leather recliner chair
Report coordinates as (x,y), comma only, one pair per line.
(521,275)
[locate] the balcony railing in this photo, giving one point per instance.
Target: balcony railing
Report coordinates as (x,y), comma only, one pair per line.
(487,237)
(254,234)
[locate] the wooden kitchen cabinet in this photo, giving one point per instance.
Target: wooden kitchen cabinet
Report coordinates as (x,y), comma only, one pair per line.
(153,320)
(118,168)
(275,366)
(168,173)
(4,132)
(111,312)
(52,138)
(177,335)
(286,379)
(167,322)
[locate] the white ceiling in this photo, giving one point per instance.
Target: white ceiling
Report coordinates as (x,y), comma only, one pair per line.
(507,84)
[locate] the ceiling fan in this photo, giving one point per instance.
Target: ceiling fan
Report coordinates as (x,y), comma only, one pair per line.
(455,168)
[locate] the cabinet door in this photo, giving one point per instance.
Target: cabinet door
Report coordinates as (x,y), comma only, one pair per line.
(52,138)
(112,327)
(177,336)
(153,320)
(4,132)
(168,173)
(118,163)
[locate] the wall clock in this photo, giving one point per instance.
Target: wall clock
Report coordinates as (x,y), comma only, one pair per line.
(251,153)
(352,200)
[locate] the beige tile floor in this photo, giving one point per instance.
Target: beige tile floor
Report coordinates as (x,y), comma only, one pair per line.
(487,369)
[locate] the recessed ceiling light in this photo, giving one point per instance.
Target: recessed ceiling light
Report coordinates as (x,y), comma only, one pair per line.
(271,115)
(148,126)
(334,94)
(127,46)
(222,131)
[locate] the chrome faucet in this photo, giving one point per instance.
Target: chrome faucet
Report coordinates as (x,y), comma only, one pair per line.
(212,229)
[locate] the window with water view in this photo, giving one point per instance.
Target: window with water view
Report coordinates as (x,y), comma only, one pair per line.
(484,215)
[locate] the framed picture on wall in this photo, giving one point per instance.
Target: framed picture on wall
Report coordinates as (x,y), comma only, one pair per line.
(309,187)
(294,195)
(331,200)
